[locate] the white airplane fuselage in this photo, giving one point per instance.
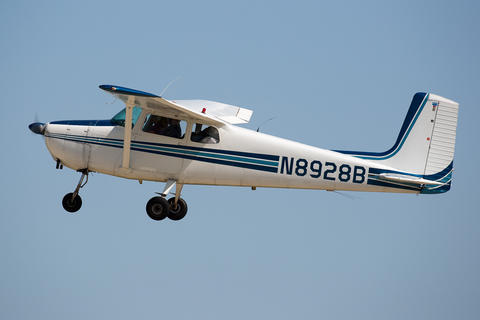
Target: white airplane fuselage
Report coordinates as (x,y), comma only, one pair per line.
(196,142)
(241,158)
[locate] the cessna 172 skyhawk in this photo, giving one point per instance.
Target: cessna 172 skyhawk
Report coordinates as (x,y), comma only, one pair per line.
(196,142)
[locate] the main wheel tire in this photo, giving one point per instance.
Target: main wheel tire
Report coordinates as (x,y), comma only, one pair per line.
(71,205)
(179,211)
(158,208)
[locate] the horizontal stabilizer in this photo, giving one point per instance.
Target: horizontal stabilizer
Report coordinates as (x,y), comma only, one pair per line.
(404,179)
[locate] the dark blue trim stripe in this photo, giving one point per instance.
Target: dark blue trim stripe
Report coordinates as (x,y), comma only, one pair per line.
(229,152)
(444,176)
(440,175)
(418,102)
(96,123)
(255,161)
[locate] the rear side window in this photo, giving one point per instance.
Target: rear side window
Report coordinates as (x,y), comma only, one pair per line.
(202,133)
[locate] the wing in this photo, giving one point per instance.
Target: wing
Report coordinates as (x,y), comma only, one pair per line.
(207,112)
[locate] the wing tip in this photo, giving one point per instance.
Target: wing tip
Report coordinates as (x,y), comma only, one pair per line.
(124,90)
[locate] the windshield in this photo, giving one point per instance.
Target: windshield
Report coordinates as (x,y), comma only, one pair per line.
(119,118)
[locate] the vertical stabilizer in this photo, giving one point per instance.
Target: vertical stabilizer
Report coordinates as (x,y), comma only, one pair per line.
(426,143)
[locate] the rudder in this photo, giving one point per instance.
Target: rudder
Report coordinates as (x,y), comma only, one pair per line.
(439,164)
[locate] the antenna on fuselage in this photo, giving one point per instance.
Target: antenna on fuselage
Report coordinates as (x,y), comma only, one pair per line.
(161,95)
(346,195)
(111,102)
(264,122)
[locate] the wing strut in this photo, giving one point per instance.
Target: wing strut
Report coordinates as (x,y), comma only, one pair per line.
(128,134)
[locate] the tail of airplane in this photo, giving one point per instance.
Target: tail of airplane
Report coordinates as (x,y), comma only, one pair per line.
(423,152)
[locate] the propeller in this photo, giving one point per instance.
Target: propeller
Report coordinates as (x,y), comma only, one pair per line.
(37,127)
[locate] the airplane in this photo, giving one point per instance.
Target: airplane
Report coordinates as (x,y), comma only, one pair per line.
(197,142)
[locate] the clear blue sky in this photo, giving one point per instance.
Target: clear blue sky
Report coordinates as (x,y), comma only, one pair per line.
(341,72)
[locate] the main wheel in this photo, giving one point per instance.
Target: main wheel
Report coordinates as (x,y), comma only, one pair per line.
(71,205)
(158,208)
(179,211)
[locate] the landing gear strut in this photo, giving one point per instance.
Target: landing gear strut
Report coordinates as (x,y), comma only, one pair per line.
(72,201)
(158,208)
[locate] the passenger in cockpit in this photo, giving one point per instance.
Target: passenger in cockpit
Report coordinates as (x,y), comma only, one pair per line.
(174,130)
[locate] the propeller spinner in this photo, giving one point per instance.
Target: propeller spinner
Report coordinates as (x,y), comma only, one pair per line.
(37,127)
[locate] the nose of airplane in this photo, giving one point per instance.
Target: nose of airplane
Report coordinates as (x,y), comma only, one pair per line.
(37,127)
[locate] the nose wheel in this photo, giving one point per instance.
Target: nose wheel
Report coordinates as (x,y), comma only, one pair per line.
(72,201)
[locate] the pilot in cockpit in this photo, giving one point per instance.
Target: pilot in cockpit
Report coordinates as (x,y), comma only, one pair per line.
(159,126)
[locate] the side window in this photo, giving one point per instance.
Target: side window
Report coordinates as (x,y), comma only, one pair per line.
(205,134)
(165,126)
(119,118)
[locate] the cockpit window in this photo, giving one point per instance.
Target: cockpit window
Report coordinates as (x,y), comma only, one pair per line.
(119,118)
(165,126)
(204,134)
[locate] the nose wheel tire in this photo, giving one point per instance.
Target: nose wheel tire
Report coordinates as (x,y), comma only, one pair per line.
(158,208)
(177,212)
(72,205)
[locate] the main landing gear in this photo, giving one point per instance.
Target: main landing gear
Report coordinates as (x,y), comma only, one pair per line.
(175,208)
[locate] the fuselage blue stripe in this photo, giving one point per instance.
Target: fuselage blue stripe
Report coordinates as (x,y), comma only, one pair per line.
(229,152)
(96,123)
(225,157)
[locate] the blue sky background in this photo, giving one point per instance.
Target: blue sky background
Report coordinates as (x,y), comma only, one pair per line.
(336,74)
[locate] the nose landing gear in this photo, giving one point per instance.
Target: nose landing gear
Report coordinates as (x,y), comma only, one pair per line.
(72,201)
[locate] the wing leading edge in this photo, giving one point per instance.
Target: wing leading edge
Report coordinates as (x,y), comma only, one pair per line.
(203,110)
